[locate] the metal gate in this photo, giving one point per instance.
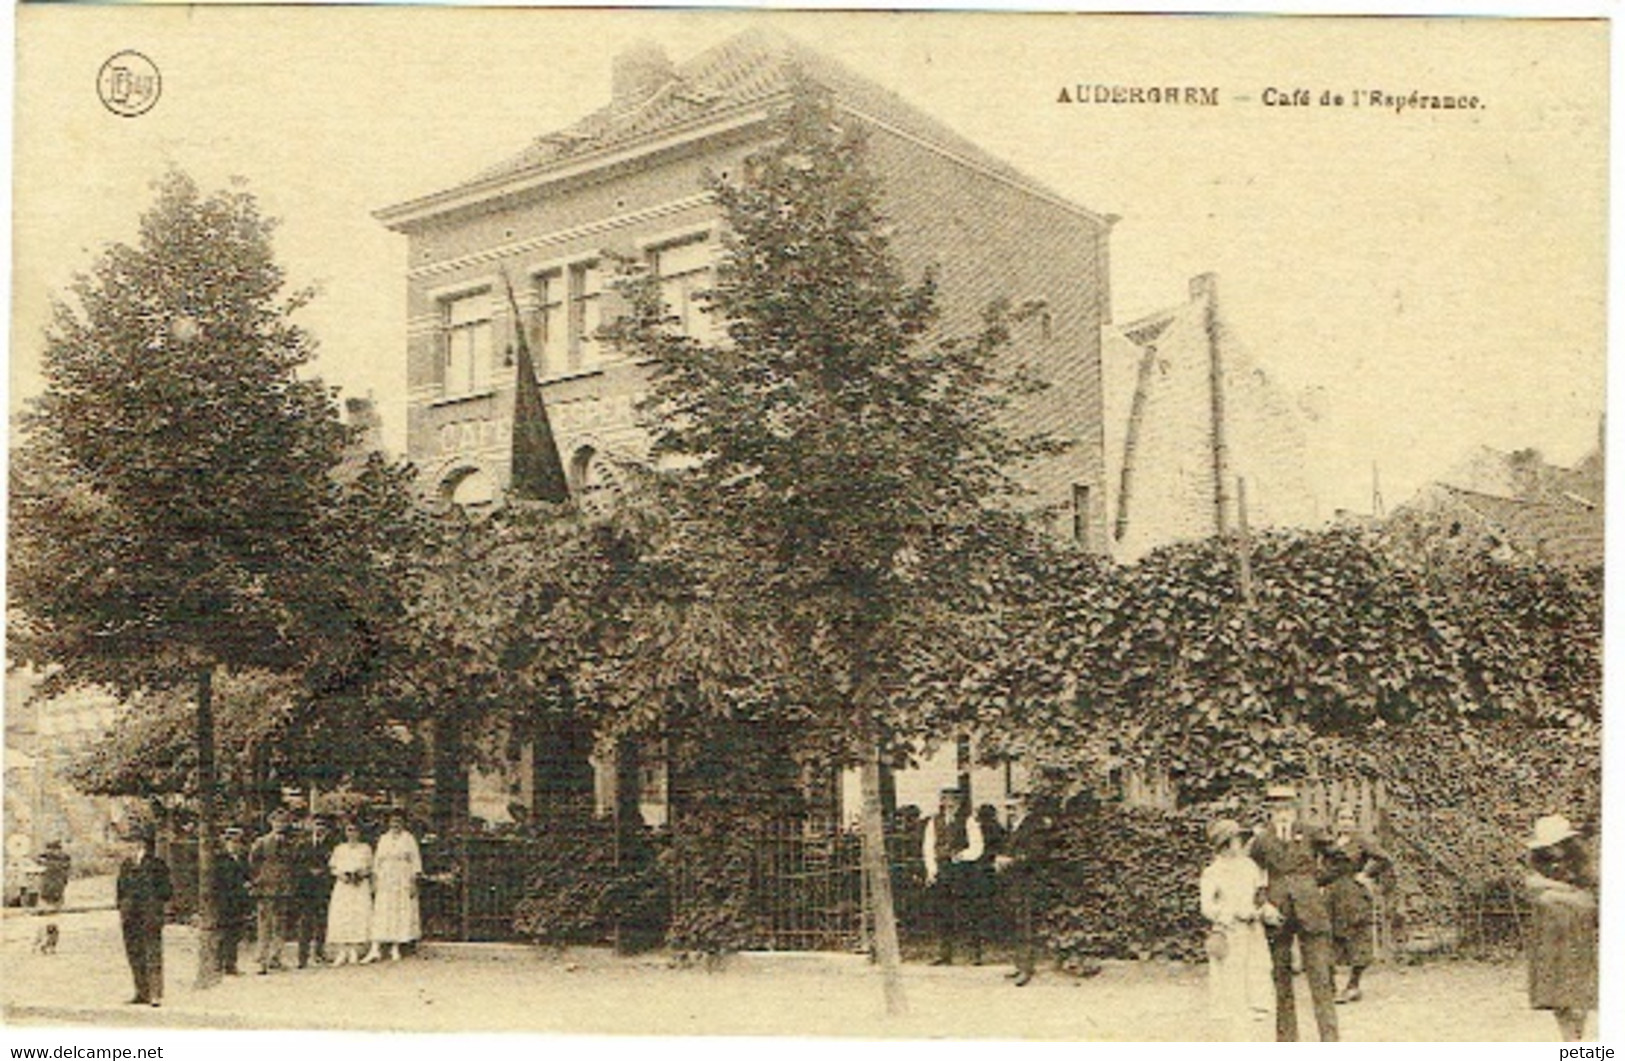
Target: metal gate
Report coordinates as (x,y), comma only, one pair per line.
(803,888)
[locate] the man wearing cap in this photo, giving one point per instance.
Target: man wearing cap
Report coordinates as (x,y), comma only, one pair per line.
(273,875)
(1289,850)
(143,892)
(315,888)
(1025,860)
(232,903)
(950,847)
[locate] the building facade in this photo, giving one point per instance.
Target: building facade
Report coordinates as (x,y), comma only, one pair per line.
(629,181)
(1188,414)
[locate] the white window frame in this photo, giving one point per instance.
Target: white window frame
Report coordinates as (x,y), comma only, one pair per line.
(574,352)
(479,379)
(548,299)
(695,322)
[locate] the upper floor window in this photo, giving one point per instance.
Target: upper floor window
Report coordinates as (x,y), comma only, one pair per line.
(586,309)
(684,270)
(466,322)
(552,329)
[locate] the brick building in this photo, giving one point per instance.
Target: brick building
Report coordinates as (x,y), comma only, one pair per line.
(1186,409)
(628,180)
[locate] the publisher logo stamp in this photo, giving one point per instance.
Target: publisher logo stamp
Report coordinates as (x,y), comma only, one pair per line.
(129,84)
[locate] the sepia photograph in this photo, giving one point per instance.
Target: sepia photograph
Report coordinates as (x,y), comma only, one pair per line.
(890,526)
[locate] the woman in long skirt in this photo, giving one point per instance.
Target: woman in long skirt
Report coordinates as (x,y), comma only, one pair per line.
(1563,934)
(349,911)
(396,866)
(1241,996)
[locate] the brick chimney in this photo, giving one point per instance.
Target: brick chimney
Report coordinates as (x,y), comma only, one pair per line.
(638,73)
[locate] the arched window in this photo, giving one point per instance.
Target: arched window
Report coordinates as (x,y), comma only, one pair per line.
(469,488)
(593,479)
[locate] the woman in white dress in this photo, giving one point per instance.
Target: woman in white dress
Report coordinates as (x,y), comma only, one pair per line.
(396,866)
(349,911)
(1240,994)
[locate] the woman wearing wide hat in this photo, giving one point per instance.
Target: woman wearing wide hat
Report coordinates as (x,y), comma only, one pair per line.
(1240,995)
(1562,888)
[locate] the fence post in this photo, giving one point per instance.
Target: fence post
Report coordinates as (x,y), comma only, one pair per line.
(465,877)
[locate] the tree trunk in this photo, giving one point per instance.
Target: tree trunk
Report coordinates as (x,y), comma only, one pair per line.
(877,868)
(208,911)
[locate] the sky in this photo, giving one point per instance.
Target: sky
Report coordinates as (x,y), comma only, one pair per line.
(1419,282)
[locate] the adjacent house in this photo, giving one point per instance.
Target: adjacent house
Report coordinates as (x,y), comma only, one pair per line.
(1516,504)
(628,180)
(1189,415)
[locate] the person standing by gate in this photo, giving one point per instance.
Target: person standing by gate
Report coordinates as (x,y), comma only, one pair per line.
(143,892)
(982,881)
(1289,850)
(349,911)
(952,843)
(1025,859)
(1352,864)
(232,903)
(273,869)
(1239,994)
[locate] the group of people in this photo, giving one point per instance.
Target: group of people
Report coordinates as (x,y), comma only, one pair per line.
(348,896)
(960,852)
(1289,883)
(342,894)
(1293,882)
(1289,894)
(1289,887)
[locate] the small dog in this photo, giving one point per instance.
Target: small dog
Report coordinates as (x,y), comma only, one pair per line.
(45,941)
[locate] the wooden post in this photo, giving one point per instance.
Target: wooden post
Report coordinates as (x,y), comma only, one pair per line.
(1206,286)
(1244,544)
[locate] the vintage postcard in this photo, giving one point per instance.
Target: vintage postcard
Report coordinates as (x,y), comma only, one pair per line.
(889,525)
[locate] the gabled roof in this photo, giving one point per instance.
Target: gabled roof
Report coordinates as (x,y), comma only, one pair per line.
(1148,330)
(1562,533)
(746,74)
(1529,505)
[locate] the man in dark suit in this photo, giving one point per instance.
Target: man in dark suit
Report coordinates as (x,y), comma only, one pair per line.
(143,893)
(1026,858)
(1289,851)
(315,887)
(232,903)
(273,870)
(950,847)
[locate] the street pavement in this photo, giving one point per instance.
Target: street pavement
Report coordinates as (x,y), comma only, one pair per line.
(497,988)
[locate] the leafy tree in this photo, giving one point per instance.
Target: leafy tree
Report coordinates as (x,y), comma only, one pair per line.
(269,730)
(842,485)
(182,502)
(1348,636)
